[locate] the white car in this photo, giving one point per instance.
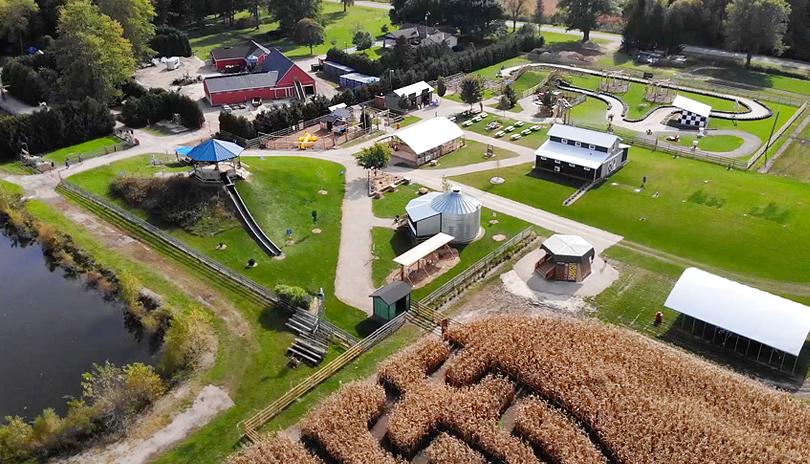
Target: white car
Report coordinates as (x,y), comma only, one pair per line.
(500,134)
(519,124)
(467,123)
(483,115)
(526,132)
(476,119)
(509,128)
(515,137)
(536,128)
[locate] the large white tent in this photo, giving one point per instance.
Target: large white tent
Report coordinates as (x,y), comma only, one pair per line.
(771,320)
(429,134)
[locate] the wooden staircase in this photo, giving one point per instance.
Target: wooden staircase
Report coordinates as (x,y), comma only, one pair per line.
(545,268)
(308,350)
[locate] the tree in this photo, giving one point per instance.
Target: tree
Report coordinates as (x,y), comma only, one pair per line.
(582,14)
(403,54)
(504,103)
(516,8)
(404,103)
(289,13)
(91,53)
(14,18)
(539,12)
(308,32)
(753,26)
(347,3)
(376,156)
(472,89)
(362,40)
(441,87)
(135,16)
(509,92)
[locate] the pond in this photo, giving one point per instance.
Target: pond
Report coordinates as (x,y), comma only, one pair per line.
(52,329)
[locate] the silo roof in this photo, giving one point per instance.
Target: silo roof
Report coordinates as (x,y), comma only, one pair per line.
(455,202)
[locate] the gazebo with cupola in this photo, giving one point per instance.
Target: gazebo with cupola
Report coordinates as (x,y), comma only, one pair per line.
(216,161)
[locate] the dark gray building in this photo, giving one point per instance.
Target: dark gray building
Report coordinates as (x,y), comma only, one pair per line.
(581,153)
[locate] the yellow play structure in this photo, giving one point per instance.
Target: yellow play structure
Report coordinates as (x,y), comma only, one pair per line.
(307,141)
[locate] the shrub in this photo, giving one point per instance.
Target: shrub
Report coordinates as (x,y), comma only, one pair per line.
(159,106)
(292,295)
(170,41)
(239,126)
(186,343)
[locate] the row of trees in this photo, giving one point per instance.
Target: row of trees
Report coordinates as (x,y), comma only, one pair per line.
(749,26)
(55,127)
(159,104)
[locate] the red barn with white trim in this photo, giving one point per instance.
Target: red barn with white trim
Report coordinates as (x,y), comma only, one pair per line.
(273,76)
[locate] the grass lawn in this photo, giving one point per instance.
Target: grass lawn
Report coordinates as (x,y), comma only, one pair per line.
(409,119)
(741,222)
(373,53)
(389,243)
(338,27)
(490,72)
(60,155)
(281,195)
(518,108)
(472,153)
(716,143)
(16,168)
(794,163)
(553,38)
(591,112)
(758,79)
(528,80)
(761,128)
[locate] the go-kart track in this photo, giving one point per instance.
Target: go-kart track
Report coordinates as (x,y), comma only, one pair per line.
(653,124)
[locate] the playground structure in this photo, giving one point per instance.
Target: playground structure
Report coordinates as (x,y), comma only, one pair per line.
(659,92)
(307,141)
(613,82)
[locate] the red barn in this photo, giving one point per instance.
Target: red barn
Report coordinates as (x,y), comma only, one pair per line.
(275,76)
(245,56)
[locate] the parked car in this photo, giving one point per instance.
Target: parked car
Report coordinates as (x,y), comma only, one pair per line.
(257,101)
(515,137)
(536,128)
(500,134)
(509,128)
(519,124)
(526,132)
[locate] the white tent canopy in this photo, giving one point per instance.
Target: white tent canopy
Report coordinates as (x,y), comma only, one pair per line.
(692,106)
(768,319)
(429,134)
(423,249)
(414,89)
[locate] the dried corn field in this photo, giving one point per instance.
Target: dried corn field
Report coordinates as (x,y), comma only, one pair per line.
(519,389)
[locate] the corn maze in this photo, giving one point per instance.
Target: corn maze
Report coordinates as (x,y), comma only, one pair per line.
(520,389)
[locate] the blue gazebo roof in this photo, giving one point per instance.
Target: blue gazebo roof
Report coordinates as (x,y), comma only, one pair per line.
(214,151)
(183,150)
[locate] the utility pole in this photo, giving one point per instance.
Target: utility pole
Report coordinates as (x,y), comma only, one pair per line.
(768,144)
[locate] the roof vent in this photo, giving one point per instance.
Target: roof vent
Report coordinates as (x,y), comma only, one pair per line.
(456,189)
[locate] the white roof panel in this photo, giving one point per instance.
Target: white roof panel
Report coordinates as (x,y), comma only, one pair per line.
(415,88)
(419,208)
(769,319)
(581,156)
(567,245)
(429,134)
(585,136)
(423,249)
(692,106)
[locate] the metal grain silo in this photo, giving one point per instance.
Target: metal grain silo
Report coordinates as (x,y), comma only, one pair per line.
(461,215)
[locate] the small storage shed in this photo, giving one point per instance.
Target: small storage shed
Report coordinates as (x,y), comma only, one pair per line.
(419,93)
(335,70)
(454,213)
(568,258)
(353,80)
(693,113)
(392,300)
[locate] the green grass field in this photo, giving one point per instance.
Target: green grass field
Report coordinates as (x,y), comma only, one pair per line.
(338,27)
(761,128)
(758,79)
(794,163)
(16,168)
(490,72)
(518,108)
(716,143)
(533,140)
(472,153)
(740,222)
(528,80)
(409,119)
(281,194)
(73,152)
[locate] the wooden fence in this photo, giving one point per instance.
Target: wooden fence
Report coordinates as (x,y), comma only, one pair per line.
(252,425)
(761,151)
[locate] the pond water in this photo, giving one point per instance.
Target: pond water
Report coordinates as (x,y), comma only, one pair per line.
(52,330)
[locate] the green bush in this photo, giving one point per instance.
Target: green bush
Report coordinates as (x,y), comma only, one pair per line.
(158,106)
(170,41)
(186,343)
(295,296)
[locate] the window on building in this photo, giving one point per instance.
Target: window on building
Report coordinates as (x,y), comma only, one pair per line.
(587,169)
(572,165)
(556,169)
(577,144)
(564,141)
(556,161)
(591,147)
(543,158)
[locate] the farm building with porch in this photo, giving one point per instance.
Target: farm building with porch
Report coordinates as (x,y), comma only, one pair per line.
(750,322)
(426,141)
(568,258)
(581,153)
(246,56)
(419,94)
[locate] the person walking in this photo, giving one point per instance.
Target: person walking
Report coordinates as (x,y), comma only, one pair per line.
(81,160)
(67,163)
